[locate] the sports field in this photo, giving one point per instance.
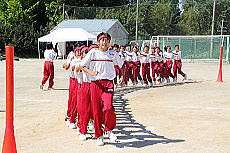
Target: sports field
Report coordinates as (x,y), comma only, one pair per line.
(191,116)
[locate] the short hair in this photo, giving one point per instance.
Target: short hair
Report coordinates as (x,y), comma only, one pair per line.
(177,46)
(105,34)
(146,46)
(116,45)
(49,46)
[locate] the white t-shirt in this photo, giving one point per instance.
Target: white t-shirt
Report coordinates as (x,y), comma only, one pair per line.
(177,55)
(50,55)
(159,56)
(136,57)
(168,56)
(122,55)
(152,57)
(144,58)
(129,56)
(73,73)
(103,63)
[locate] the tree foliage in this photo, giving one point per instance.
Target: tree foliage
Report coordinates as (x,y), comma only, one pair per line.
(22,22)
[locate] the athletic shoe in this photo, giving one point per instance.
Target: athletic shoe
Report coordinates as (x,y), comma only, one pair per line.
(163,80)
(100,141)
(150,84)
(174,79)
(91,125)
(50,88)
(111,135)
(82,137)
(41,86)
(115,85)
(67,122)
(185,77)
(78,131)
(168,80)
(142,82)
(72,126)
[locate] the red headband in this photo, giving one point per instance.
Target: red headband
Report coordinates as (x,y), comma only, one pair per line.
(83,49)
(75,49)
(152,47)
(92,46)
(103,36)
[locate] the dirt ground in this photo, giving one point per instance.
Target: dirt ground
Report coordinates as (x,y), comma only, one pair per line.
(191,116)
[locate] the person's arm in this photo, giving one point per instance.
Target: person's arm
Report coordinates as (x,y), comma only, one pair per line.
(85,69)
(66,65)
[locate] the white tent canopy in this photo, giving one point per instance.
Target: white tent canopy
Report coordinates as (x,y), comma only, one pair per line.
(67,34)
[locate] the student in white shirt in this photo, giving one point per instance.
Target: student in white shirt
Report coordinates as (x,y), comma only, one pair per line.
(102,61)
(136,65)
(168,57)
(177,66)
(129,74)
(146,66)
(48,72)
(154,63)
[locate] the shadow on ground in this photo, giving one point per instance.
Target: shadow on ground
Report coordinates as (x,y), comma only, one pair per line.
(131,133)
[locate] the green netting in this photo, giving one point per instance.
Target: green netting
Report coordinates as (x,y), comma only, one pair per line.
(197,48)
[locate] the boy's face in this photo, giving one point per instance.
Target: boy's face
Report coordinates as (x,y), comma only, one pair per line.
(104,44)
(177,48)
(146,49)
(169,49)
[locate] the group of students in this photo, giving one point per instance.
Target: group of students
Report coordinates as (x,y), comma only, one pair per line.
(94,73)
(156,65)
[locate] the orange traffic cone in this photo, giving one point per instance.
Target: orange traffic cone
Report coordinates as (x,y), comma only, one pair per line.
(219,78)
(9,144)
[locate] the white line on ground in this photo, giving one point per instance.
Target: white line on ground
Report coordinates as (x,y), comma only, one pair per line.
(196,107)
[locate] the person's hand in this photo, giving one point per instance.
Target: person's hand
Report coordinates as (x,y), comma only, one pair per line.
(78,68)
(73,67)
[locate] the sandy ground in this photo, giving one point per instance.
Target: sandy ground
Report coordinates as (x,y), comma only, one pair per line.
(187,117)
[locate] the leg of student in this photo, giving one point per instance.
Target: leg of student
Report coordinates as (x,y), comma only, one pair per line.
(45,73)
(51,79)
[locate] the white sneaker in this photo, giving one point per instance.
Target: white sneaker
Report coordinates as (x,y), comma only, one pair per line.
(67,122)
(100,141)
(185,77)
(111,135)
(150,84)
(174,79)
(50,88)
(142,82)
(91,125)
(72,126)
(163,80)
(168,80)
(82,137)
(41,87)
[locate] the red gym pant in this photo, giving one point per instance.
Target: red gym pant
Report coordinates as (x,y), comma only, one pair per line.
(102,106)
(146,73)
(168,68)
(154,66)
(72,103)
(136,70)
(161,67)
(177,67)
(128,72)
(48,73)
(84,109)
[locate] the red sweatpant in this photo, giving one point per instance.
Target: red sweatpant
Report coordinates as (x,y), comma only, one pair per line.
(136,70)
(154,66)
(48,73)
(177,67)
(84,109)
(146,73)
(168,67)
(72,103)
(128,72)
(102,106)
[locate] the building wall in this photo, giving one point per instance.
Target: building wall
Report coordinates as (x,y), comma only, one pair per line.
(119,36)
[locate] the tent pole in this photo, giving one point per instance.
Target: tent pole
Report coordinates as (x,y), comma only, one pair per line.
(87,42)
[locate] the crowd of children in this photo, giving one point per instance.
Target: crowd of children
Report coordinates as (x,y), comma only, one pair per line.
(95,72)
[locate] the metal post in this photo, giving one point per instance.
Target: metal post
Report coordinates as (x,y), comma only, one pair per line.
(222,27)
(39,56)
(213,21)
(63,13)
(137,20)
(227,54)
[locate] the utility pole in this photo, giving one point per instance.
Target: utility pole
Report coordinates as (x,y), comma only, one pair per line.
(213,21)
(137,20)
(222,27)
(63,11)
